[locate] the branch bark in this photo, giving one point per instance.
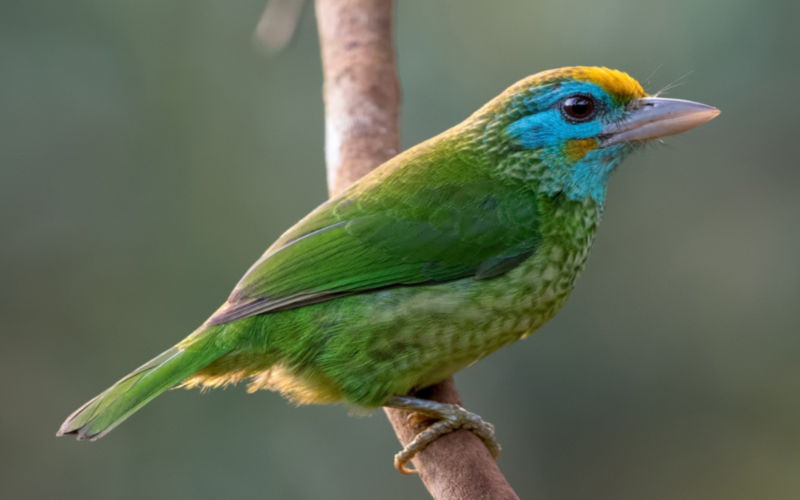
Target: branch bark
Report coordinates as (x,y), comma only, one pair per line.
(362,100)
(362,94)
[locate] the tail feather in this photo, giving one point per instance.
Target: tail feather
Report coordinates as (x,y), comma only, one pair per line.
(99,416)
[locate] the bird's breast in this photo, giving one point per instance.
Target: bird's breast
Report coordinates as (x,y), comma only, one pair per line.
(539,287)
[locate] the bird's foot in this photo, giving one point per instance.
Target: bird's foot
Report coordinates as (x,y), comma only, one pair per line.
(449,418)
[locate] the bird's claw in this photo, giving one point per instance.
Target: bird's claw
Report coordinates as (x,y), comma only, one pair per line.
(451,418)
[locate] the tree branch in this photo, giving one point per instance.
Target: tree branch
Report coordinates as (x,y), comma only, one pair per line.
(362,94)
(362,99)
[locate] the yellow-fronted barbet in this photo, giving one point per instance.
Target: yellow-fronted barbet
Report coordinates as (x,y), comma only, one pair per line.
(461,245)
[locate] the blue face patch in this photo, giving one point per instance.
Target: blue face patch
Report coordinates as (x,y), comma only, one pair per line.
(546,129)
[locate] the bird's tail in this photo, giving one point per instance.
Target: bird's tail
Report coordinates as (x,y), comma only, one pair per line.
(100,415)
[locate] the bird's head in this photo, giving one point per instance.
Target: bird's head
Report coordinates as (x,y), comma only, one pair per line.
(568,129)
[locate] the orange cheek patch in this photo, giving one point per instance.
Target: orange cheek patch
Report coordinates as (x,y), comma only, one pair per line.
(576,149)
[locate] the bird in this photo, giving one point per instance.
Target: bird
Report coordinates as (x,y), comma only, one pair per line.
(461,245)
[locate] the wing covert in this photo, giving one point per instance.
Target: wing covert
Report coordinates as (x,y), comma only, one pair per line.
(383,236)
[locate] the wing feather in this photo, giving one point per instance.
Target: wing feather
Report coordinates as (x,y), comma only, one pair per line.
(395,232)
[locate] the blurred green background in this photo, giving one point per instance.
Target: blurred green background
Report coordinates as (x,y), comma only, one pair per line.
(149,153)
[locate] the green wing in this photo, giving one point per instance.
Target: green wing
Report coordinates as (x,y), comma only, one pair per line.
(413,227)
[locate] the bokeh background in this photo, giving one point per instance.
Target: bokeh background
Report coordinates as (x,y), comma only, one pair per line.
(149,152)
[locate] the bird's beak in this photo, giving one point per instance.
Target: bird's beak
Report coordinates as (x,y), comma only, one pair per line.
(653,117)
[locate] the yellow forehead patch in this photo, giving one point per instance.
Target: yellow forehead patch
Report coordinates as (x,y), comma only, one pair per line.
(619,85)
(615,82)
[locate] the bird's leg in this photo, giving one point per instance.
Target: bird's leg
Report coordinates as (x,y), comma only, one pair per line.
(450,418)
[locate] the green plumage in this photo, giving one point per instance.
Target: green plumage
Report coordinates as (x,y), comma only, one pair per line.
(393,229)
(109,409)
(453,249)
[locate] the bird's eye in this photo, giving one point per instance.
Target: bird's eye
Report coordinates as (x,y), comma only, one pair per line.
(578,107)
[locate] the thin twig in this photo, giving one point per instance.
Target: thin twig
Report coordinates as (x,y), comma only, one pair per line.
(278,24)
